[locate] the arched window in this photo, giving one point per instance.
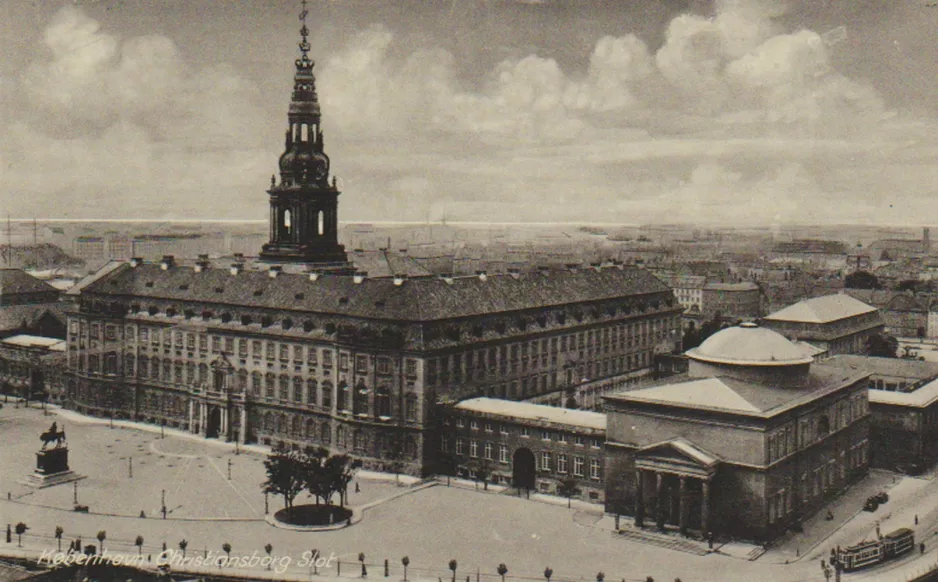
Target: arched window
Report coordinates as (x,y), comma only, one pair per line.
(287,219)
(343,396)
(310,428)
(297,426)
(383,402)
(243,381)
(311,392)
(270,383)
(327,389)
(358,442)
(340,437)
(325,433)
(298,389)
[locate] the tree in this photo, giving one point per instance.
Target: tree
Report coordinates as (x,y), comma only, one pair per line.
(58,535)
(286,475)
(548,573)
(20,530)
(861,280)
(483,471)
(102,535)
(139,543)
(183,544)
(268,548)
(502,570)
(600,576)
(226,547)
(568,488)
(405,561)
(452,566)
(882,345)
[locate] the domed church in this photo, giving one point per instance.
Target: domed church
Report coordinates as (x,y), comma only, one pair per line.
(753,439)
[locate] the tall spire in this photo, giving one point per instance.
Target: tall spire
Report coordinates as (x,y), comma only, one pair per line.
(304,205)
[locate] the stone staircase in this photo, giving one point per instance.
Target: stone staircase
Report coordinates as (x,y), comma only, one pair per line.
(664,540)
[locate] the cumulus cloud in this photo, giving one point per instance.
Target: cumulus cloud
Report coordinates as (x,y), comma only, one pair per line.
(130,120)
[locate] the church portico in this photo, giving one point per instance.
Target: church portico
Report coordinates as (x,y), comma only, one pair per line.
(673,482)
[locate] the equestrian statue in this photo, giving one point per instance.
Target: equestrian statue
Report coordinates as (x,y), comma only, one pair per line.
(53,435)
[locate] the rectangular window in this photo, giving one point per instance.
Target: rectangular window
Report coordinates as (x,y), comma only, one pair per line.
(488,427)
(561,437)
(216,344)
(578,466)
(460,422)
(271,350)
(384,365)
(298,354)
(594,469)
(110,332)
(502,453)
(229,346)
(545,435)
(311,358)
(410,408)
(459,446)
(474,424)
(561,463)
(327,359)
(361,364)
(190,341)
(488,451)
(284,352)
(411,367)
(256,349)
(525,431)
(343,362)
(473,449)
(595,443)
(545,461)
(579,441)
(503,430)
(144,334)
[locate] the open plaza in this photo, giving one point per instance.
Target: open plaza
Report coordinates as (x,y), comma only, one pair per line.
(129,470)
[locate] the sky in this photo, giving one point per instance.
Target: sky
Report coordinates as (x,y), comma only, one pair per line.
(723,112)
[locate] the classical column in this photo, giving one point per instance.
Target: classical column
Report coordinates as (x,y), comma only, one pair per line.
(705,507)
(639,498)
(661,500)
(243,429)
(191,415)
(223,429)
(203,416)
(682,518)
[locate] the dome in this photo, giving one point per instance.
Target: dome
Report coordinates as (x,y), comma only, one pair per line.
(749,345)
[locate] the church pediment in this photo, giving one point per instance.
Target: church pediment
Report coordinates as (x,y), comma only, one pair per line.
(677,456)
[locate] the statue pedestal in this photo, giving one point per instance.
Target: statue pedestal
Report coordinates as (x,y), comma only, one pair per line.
(52,469)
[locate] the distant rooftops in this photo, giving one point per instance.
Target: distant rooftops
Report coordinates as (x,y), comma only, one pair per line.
(822,310)
(19,282)
(35,341)
(528,411)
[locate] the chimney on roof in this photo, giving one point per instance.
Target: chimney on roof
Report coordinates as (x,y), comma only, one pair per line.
(236,268)
(167,262)
(136,261)
(360,276)
(399,280)
(274,270)
(201,265)
(447,278)
(483,276)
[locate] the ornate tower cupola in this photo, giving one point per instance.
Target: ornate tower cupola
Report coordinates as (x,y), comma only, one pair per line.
(304,205)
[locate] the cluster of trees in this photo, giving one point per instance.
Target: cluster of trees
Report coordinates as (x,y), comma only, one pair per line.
(882,345)
(322,475)
(694,336)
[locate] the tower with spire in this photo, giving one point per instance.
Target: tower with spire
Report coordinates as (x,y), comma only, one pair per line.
(304,204)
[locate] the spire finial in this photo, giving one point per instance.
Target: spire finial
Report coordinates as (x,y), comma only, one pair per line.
(304,32)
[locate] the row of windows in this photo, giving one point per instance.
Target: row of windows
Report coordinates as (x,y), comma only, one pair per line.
(524,431)
(839,415)
(544,463)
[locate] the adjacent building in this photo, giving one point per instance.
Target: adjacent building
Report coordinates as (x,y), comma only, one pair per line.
(754,438)
(836,323)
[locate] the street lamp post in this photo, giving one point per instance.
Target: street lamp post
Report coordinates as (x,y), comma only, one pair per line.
(229,469)
(130,467)
(163,502)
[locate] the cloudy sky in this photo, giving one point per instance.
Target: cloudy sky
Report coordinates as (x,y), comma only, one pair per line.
(726,112)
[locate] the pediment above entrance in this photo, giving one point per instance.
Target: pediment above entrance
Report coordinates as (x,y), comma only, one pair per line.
(678,456)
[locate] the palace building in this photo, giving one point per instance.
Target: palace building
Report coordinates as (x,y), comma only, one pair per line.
(304,348)
(754,438)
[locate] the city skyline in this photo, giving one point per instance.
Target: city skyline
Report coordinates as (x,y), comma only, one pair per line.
(732,113)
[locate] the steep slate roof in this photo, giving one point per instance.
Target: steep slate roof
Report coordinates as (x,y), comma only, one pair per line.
(822,309)
(737,396)
(17,281)
(415,299)
(16,317)
(529,411)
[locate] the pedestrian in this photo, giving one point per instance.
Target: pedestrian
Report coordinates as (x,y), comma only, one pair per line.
(921,548)
(357,488)
(916,519)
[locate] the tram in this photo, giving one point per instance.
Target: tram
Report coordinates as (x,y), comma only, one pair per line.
(887,547)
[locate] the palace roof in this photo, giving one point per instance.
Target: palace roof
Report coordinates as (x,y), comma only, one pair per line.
(540,412)
(408,299)
(17,281)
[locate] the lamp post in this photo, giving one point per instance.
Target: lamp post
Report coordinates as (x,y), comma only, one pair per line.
(229,469)
(163,502)
(130,467)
